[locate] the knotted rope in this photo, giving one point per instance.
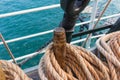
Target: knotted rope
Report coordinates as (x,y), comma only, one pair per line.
(11,71)
(63,61)
(109,46)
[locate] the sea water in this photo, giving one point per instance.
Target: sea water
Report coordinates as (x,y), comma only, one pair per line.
(35,22)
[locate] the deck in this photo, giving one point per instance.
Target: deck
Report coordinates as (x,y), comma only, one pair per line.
(34,75)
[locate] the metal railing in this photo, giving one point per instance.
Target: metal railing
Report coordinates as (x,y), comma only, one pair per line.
(74,42)
(50,31)
(45,32)
(29,10)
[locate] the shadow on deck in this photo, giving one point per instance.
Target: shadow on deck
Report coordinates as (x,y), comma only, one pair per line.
(34,75)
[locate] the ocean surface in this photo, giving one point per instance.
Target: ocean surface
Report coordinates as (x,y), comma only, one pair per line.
(35,22)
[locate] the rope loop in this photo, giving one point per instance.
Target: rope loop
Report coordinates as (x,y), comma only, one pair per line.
(11,71)
(109,47)
(63,61)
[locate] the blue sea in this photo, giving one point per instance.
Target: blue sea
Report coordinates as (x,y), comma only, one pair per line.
(35,22)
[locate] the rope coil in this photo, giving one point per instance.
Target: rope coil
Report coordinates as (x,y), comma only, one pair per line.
(63,61)
(109,47)
(12,71)
(2,74)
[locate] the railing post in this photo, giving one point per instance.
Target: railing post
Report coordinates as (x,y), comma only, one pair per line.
(93,15)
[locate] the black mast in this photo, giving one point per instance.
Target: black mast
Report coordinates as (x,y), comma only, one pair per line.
(71,8)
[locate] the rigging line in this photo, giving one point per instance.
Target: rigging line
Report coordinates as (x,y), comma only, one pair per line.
(37,52)
(97,22)
(8,49)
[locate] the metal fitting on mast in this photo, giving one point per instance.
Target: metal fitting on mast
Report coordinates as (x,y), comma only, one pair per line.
(71,8)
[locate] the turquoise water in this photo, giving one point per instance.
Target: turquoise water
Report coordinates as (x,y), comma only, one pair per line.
(26,24)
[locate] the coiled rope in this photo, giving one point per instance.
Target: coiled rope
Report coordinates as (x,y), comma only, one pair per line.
(109,46)
(63,61)
(10,71)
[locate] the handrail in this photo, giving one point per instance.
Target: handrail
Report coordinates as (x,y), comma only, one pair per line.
(74,42)
(26,37)
(49,31)
(45,32)
(29,10)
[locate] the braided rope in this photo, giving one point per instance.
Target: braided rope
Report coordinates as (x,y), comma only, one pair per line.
(12,71)
(109,46)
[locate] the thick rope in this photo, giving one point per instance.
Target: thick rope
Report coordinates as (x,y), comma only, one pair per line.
(81,64)
(12,71)
(63,61)
(2,74)
(109,46)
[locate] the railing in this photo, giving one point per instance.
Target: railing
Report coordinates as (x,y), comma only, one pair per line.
(74,42)
(45,32)
(50,31)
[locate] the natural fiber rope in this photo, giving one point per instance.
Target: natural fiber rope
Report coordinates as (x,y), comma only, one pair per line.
(109,46)
(82,65)
(12,71)
(2,74)
(63,61)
